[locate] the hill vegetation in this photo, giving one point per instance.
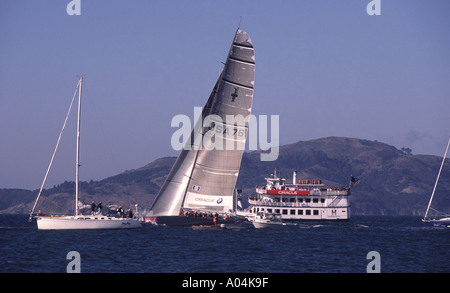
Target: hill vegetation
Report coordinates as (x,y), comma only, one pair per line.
(392,181)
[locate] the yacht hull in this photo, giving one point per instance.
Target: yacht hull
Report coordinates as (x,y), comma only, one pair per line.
(186,221)
(438,222)
(85,222)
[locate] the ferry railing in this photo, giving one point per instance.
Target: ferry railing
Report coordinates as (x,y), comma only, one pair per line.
(284,204)
(330,192)
(313,192)
(312,201)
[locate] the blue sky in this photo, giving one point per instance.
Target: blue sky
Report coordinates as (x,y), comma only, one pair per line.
(326,67)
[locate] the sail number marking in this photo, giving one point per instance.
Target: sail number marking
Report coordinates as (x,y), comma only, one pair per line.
(220,129)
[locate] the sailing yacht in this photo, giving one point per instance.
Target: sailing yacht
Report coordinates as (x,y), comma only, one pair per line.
(200,185)
(78,221)
(445,220)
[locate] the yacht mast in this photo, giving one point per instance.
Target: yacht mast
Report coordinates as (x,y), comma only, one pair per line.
(437,179)
(77,167)
(54,153)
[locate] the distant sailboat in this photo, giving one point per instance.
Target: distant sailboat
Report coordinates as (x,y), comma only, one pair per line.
(78,221)
(441,221)
(203,178)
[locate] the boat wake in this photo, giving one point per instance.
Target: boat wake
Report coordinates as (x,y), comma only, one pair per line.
(306,226)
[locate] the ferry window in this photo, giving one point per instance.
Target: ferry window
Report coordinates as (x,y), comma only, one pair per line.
(307,200)
(292,212)
(277,211)
(300,200)
(292,199)
(299,212)
(315,200)
(284,212)
(308,212)
(322,200)
(316,212)
(269,210)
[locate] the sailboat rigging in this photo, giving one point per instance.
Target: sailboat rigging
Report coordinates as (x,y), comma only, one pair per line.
(54,152)
(78,221)
(444,221)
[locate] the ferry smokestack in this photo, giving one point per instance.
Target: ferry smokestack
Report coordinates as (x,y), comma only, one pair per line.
(294,177)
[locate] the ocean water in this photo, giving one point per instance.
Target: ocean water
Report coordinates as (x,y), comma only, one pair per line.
(404,245)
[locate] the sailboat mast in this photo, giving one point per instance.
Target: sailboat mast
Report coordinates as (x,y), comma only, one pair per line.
(77,167)
(54,153)
(437,179)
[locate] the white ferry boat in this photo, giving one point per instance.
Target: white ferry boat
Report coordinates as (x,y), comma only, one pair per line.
(302,200)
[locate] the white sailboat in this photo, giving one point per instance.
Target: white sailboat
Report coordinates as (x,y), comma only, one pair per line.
(442,220)
(78,221)
(201,183)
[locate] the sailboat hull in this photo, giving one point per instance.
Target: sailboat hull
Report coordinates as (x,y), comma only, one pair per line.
(85,222)
(438,222)
(186,221)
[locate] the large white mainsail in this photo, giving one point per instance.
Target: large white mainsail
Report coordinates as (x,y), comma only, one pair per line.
(204,175)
